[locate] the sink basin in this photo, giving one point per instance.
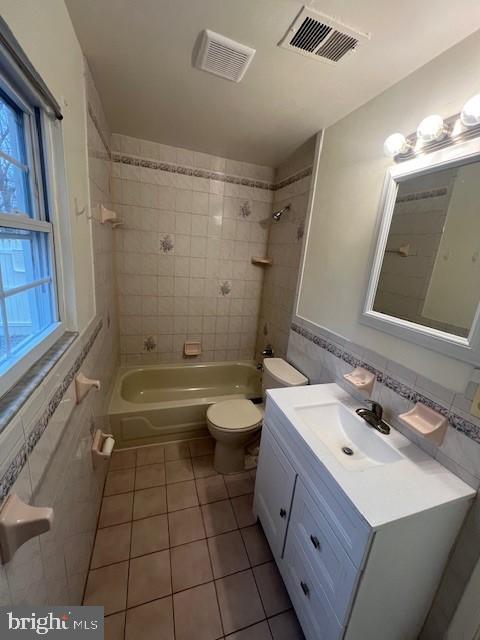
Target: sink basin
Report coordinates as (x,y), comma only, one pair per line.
(355,444)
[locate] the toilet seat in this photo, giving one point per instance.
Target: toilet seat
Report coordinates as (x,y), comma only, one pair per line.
(235,415)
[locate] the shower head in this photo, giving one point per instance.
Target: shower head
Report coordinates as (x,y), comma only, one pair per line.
(276,215)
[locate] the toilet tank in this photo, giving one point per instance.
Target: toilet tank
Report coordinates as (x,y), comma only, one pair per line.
(278,373)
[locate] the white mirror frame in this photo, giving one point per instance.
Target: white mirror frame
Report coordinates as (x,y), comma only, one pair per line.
(465,349)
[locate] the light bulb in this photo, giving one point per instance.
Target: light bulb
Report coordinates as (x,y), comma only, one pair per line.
(431,129)
(395,144)
(470,115)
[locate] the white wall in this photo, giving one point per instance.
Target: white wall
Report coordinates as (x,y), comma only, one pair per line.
(351,172)
(45,32)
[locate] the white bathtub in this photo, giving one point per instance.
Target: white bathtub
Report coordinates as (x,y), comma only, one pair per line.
(157,403)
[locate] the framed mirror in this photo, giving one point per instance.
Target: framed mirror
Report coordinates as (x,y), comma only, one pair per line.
(425,278)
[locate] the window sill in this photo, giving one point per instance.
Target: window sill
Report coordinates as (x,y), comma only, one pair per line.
(17,396)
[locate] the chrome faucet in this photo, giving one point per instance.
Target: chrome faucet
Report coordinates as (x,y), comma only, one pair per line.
(374,417)
(268,351)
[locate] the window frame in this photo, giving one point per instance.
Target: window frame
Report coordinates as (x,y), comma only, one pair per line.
(39,138)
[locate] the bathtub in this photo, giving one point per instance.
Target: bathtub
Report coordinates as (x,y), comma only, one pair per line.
(157,403)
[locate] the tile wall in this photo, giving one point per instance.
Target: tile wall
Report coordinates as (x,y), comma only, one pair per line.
(191,226)
(293,180)
(45,450)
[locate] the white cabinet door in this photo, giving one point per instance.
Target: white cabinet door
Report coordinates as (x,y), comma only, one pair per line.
(274,487)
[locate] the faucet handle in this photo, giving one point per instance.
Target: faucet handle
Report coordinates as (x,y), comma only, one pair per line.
(376,408)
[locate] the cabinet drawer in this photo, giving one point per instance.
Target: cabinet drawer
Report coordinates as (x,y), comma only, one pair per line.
(311,604)
(274,486)
(325,553)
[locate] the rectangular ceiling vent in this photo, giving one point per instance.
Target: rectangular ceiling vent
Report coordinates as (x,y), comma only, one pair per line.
(222,56)
(318,36)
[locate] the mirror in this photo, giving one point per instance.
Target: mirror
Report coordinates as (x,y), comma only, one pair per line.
(425,281)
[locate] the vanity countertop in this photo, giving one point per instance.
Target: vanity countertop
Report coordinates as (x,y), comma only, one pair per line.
(381,493)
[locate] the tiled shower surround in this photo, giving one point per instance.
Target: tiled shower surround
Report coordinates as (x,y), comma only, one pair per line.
(45,449)
(285,242)
(183,254)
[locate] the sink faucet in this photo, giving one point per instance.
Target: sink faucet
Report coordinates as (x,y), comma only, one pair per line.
(374,417)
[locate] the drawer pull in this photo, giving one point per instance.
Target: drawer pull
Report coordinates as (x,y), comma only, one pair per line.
(283,513)
(305,588)
(315,541)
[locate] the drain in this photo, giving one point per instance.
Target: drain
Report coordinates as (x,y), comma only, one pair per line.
(347,451)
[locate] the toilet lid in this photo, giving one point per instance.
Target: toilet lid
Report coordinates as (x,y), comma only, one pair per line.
(234,414)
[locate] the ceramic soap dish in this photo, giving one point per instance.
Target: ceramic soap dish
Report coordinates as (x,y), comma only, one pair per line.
(361,379)
(427,422)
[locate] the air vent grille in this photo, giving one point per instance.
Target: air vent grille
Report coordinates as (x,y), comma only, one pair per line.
(222,56)
(337,46)
(318,36)
(310,35)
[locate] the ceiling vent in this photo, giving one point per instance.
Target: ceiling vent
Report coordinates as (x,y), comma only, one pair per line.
(222,56)
(318,36)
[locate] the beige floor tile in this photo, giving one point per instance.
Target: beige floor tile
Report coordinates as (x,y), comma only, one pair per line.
(122,460)
(181,495)
(286,627)
(112,544)
(257,545)
(149,578)
(239,483)
(272,590)
(119,482)
(107,587)
(116,510)
(201,447)
(149,502)
(196,614)
(176,451)
(228,554)
(185,526)
(203,466)
(242,505)
(149,535)
(152,454)
(179,470)
(240,604)
(218,518)
(152,621)
(259,631)
(152,475)
(114,626)
(190,565)
(211,489)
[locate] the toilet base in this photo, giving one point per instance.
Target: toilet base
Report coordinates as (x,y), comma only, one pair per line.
(228,459)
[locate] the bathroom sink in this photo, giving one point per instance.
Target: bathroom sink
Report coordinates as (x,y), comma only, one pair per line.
(355,444)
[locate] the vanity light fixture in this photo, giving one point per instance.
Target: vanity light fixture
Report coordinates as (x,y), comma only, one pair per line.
(396,144)
(470,115)
(431,129)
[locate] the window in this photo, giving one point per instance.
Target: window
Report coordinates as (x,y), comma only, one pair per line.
(29,316)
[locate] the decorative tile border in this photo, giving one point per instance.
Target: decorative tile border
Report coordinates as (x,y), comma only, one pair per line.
(423,195)
(145,163)
(17,464)
(459,423)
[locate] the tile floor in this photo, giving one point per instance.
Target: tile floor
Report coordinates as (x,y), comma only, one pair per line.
(178,555)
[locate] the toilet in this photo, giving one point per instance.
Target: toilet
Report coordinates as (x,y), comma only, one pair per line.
(234,423)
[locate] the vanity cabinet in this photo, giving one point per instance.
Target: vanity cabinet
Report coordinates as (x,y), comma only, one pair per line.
(346,578)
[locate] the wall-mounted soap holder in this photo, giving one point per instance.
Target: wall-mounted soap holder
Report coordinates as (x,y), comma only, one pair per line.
(427,422)
(102,447)
(362,379)
(19,522)
(192,348)
(83,386)
(107,215)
